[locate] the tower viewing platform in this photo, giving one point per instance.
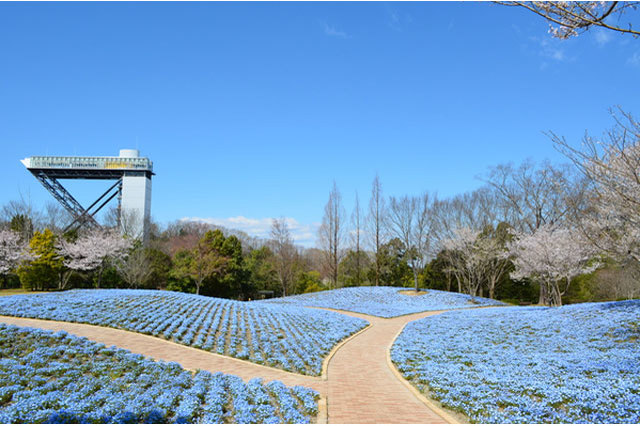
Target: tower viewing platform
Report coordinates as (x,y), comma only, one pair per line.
(131,172)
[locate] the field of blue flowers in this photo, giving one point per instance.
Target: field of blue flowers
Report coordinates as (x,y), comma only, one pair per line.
(281,336)
(48,377)
(574,364)
(384,302)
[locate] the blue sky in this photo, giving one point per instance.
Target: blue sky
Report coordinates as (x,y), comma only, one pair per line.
(251,110)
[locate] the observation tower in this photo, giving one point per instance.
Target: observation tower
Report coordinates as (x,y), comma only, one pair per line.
(132,175)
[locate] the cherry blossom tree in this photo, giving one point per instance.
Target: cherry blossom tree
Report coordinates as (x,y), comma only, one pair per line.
(571,18)
(550,256)
(12,251)
(90,252)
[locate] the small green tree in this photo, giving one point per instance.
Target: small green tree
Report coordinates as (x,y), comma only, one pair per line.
(45,269)
(179,277)
(260,267)
(310,282)
(207,259)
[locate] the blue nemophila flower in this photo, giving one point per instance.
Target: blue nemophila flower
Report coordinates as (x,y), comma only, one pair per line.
(575,364)
(221,326)
(94,384)
(383,301)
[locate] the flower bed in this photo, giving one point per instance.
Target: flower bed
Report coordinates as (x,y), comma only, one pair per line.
(48,377)
(575,364)
(384,302)
(284,337)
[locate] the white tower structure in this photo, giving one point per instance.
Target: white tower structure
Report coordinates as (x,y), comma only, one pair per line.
(131,172)
(135,203)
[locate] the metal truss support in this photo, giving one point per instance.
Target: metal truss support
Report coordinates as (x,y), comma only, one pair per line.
(81,216)
(87,216)
(63,196)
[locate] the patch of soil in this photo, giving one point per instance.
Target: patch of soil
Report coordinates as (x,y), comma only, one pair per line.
(413,292)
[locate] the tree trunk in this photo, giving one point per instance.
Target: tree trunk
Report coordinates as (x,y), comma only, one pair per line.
(492,288)
(555,297)
(99,276)
(415,278)
(542,300)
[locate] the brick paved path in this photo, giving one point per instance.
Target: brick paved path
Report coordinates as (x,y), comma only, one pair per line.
(161,349)
(358,384)
(362,386)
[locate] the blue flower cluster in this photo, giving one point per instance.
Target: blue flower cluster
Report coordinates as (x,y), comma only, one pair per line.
(280,336)
(48,377)
(574,364)
(384,302)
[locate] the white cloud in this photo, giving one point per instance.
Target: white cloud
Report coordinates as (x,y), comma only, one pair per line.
(634,59)
(549,48)
(397,22)
(550,51)
(334,32)
(558,55)
(602,37)
(303,234)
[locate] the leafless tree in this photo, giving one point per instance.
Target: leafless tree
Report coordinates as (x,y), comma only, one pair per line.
(356,235)
(411,220)
(532,196)
(56,218)
(376,229)
(492,244)
(567,19)
(135,269)
(612,167)
(331,234)
(22,211)
(284,252)
(618,282)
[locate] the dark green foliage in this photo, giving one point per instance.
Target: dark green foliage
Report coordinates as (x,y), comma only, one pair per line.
(310,282)
(109,278)
(261,271)
(23,225)
(350,274)
(178,278)
(436,277)
(394,270)
(160,265)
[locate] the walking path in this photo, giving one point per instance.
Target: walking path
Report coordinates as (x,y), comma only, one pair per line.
(359,384)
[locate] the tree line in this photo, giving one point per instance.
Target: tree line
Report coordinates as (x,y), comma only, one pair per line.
(532,233)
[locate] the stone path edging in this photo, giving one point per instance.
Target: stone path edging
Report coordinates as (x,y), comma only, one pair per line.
(434,405)
(327,359)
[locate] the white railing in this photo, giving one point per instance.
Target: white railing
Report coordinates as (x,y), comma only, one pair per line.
(46,162)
